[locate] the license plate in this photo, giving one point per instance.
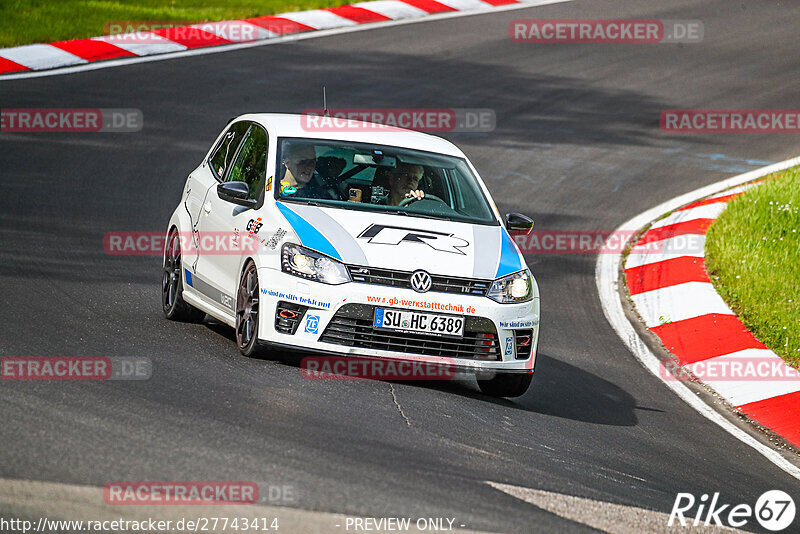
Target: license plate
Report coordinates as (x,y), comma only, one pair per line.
(419,323)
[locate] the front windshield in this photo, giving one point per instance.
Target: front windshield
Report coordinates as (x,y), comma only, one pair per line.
(369,177)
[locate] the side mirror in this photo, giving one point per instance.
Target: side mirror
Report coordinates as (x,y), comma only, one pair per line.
(237,193)
(517,222)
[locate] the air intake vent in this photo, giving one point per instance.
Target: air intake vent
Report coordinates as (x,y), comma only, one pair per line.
(524,340)
(288,316)
(352,326)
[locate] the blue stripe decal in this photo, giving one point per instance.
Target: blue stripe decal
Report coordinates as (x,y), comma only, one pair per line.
(309,236)
(510,262)
(188,278)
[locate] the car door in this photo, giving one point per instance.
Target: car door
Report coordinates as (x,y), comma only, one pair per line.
(201,184)
(233,228)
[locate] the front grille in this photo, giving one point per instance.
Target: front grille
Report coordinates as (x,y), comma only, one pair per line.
(444,284)
(352,326)
(524,340)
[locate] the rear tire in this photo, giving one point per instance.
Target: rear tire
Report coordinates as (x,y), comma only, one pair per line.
(175,308)
(247,298)
(506,385)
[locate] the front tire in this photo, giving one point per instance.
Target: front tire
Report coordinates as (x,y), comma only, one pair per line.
(175,308)
(506,385)
(247,311)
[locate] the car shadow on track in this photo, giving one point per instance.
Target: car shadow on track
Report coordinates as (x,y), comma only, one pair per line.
(563,390)
(558,389)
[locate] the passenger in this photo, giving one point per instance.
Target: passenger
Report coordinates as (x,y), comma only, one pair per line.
(300,162)
(403,183)
(302,178)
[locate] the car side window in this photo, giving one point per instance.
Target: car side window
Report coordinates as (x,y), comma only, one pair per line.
(250,165)
(226,150)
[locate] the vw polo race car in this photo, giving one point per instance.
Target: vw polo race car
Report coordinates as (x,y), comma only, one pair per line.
(355,240)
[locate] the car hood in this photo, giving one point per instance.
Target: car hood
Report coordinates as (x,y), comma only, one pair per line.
(403,243)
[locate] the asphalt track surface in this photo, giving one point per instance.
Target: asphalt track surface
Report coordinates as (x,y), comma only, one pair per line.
(577,146)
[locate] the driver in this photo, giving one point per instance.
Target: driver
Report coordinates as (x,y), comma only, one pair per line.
(403,183)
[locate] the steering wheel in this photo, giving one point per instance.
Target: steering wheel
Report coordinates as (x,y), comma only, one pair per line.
(409,200)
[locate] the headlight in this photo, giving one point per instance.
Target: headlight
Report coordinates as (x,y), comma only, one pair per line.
(311,265)
(517,287)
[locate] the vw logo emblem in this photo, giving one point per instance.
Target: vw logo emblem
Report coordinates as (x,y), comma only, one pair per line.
(420,281)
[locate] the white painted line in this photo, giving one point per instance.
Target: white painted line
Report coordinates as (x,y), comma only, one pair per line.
(707,211)
(666,249)
(394,9)
(738,392)
(40,56)
(732,191)
(679,302)
(292,37)
(155,45)
(319,19)
(607,281)
(237,31)
(463,5)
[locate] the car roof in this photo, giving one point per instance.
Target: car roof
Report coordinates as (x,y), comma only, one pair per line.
(294,125)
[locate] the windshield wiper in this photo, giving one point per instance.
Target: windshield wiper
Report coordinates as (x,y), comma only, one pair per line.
(303,201)
(413,214)
(424,216)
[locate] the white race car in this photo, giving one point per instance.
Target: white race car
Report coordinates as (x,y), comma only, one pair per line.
(353,240)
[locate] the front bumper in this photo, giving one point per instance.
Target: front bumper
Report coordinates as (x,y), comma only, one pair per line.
(321,304)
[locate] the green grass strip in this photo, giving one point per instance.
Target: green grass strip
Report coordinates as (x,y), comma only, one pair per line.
(43,21)
(753,258)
